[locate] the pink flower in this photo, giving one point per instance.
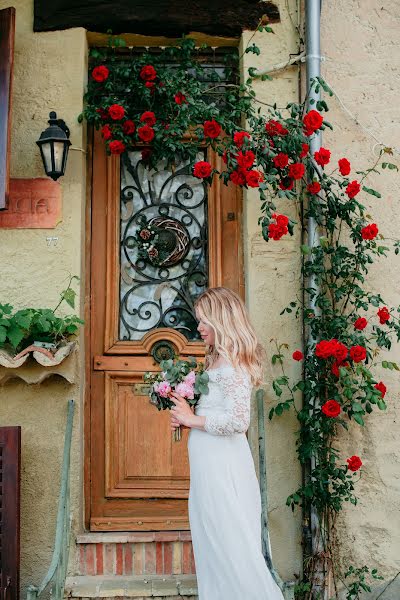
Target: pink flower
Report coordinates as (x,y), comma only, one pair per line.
(163,388)
(190,378)
(185,390)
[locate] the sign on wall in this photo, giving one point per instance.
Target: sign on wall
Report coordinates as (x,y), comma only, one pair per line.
(33,204)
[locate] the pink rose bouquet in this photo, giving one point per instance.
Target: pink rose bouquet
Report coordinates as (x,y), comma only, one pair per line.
(185,377)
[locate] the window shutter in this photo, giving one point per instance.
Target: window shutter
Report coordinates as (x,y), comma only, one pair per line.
(7,33)
(10,470)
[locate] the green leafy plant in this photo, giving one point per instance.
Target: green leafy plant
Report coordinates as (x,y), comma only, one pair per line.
(19,329)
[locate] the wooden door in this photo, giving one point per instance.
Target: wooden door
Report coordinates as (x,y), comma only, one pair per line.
(137,477)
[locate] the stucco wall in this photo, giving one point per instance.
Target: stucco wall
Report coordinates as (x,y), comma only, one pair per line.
(49,74)
(361,44)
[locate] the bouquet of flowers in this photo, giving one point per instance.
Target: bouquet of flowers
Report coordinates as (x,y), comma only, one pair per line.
(185,377)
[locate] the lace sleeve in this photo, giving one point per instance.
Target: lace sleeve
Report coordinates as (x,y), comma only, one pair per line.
(236,388)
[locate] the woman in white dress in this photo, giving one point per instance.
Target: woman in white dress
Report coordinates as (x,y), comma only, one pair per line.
(224,498)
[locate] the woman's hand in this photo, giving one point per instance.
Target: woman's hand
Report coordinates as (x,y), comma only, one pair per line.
(181,413)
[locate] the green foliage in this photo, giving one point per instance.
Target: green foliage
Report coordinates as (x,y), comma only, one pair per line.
(19,329)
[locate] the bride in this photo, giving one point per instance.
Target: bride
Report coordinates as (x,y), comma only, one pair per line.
(224,497)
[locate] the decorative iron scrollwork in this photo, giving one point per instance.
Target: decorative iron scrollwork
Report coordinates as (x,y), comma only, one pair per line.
(175,202)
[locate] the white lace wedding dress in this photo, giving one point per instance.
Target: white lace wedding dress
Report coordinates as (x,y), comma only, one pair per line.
(224,498)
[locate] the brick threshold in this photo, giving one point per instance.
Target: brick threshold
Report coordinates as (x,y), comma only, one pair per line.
(135,586)
(132,537)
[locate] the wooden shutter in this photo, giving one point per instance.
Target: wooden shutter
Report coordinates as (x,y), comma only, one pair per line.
(7,33)
(10,469)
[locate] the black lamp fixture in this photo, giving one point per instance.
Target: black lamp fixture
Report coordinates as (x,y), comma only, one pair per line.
(54,144)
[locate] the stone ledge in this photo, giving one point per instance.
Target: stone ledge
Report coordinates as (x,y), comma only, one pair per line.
(98,586)
(132,537)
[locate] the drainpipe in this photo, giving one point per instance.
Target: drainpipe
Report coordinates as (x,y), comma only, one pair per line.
(313,69)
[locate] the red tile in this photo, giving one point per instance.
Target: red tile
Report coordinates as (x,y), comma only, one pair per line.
(168,558)
(82,568)
(150,557)
(90,559)
(159,557)
(128,563)
(192,560)
(109,559)
(186,560)
(119,559)
(99,559)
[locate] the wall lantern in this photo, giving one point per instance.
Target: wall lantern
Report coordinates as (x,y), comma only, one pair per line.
(54,144)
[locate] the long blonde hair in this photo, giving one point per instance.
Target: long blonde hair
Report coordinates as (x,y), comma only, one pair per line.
(235,338)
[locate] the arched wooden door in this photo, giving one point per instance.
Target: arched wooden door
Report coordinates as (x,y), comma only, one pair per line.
(137,477)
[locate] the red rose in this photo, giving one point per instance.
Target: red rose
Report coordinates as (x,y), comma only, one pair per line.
(146,153)
(354,463)
(281,219)
(117,147)
(352,189)
(273,127)
(238,177)
(149,118)
(344,166)
(276,231)
(331,408)
(212,129)
(180,98)
(297,355)
(358,353)
(150,85)
(106,132)
(253,178)
(312,121)
(369,232)
(381,387)
(296,171)
(128,127)
(304,150)
(314,187)
(145,133)
(286,183)
(325,348)
(202,169)
(336,366)
(384,315)
(281,160)
(245,160)
(148,73)
(340,351)
(322,157)
(239,137)
(360,324)
(116,112)
(103,113)
(100,73)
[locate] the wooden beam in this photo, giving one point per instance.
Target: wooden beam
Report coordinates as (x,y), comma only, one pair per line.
(7,34)
(156,18)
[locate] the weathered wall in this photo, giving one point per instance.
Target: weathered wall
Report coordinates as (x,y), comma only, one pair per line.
(272,273)
(361,44)
(49,74)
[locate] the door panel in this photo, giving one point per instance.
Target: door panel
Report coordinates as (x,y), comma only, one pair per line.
(140,314)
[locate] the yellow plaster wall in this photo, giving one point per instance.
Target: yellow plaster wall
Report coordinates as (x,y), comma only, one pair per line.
(49,74)
(361,46)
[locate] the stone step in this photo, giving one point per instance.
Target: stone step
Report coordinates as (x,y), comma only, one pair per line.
(171,587)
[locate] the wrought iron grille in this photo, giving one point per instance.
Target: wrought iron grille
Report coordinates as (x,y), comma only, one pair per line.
(175,202)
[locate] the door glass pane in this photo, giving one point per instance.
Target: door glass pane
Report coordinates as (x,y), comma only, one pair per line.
(171,204)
